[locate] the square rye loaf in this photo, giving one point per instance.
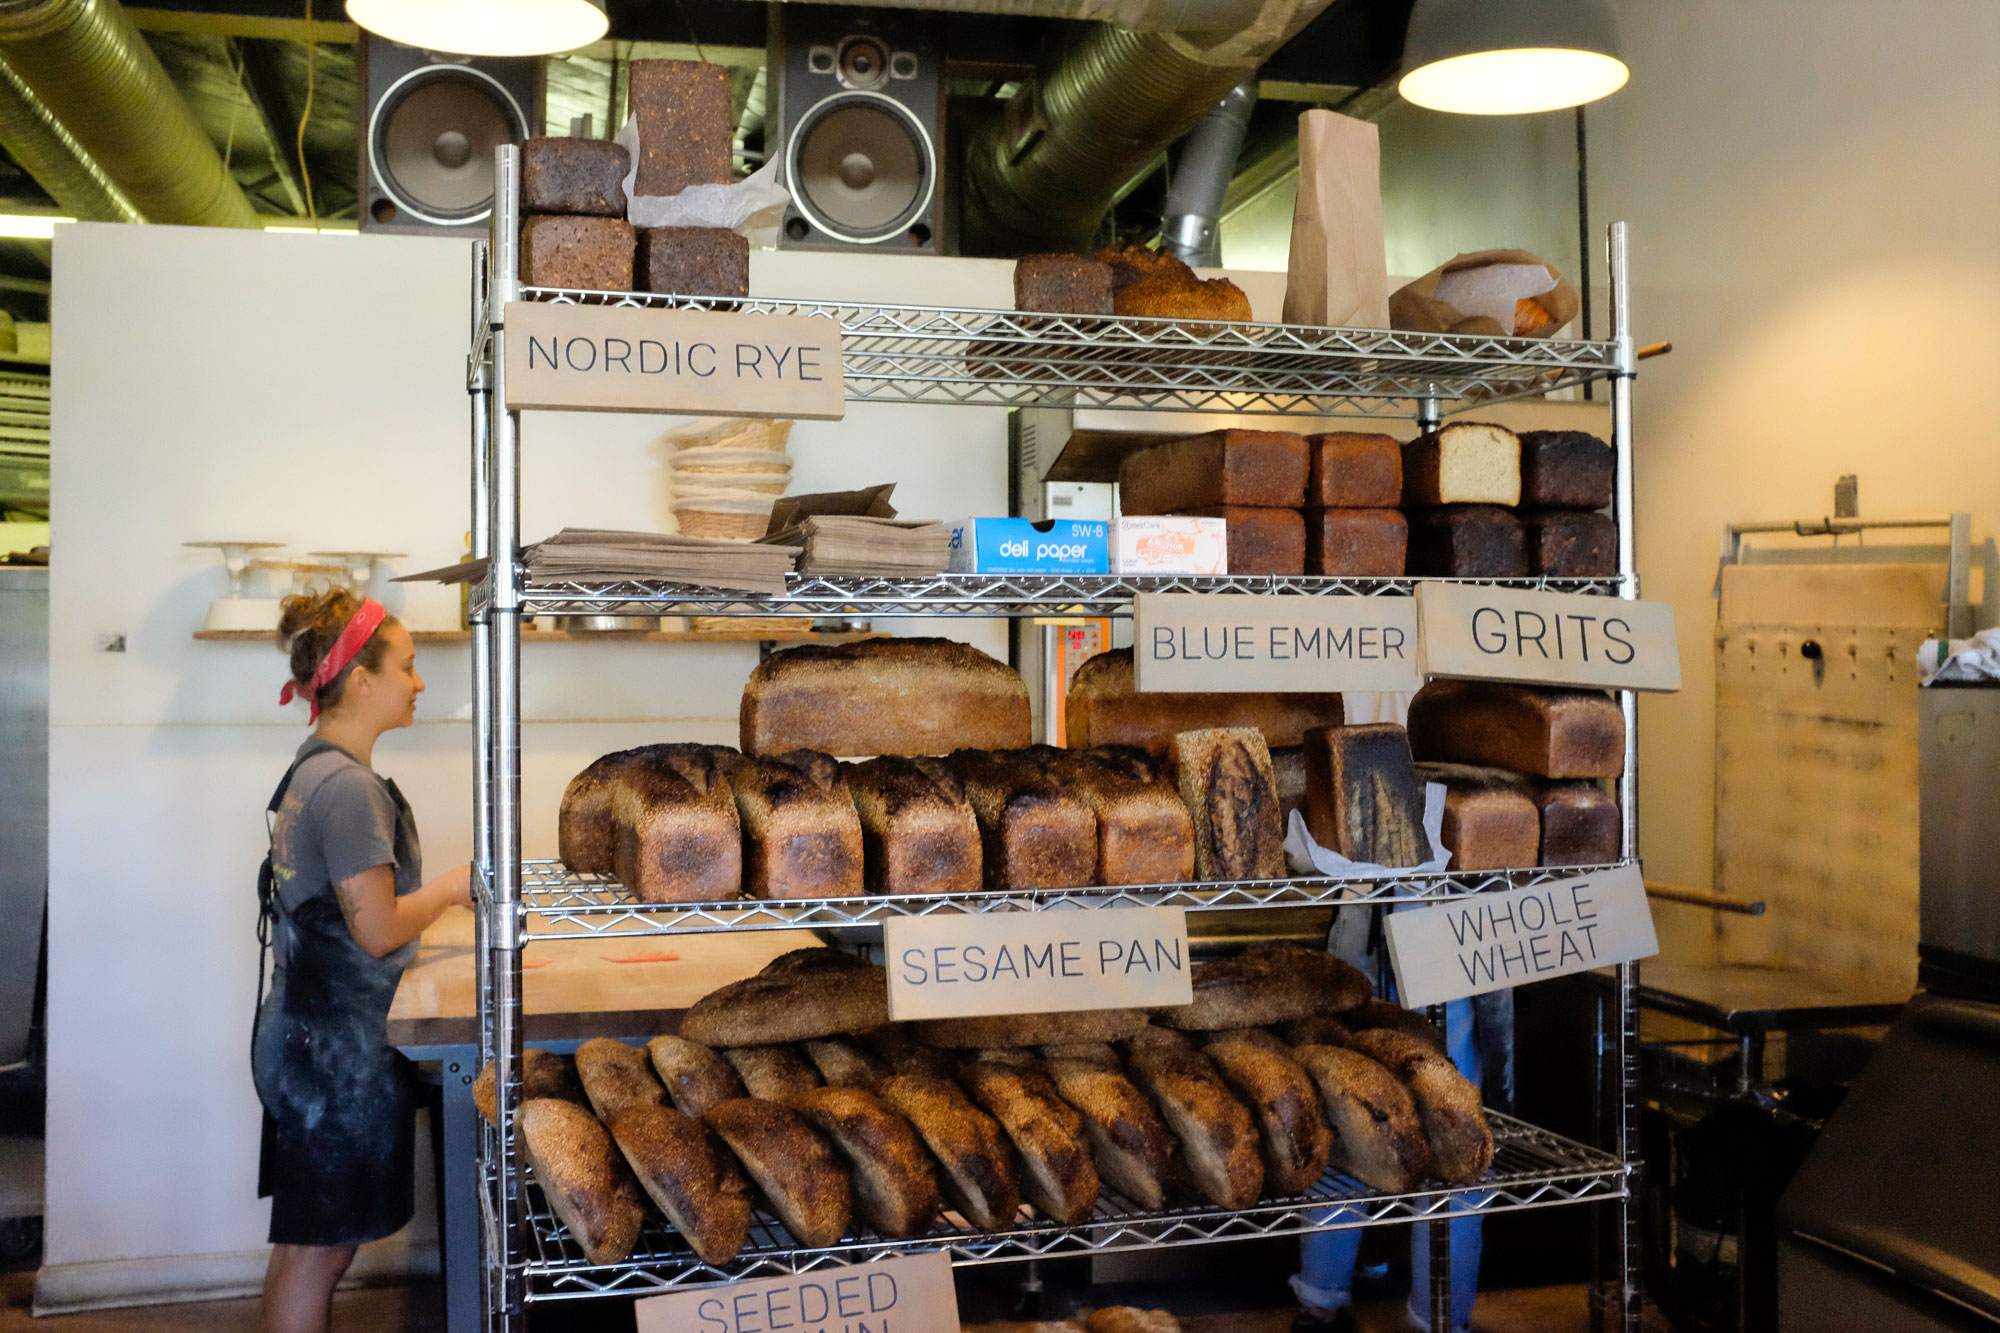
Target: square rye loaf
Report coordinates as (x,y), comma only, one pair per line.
(686,131)
(1264,468)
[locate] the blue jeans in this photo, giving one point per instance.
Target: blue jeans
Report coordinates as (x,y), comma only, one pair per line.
(1326,1268)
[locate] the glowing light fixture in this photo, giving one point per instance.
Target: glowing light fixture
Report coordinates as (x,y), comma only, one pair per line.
(1508,57)
(30,226)
(484,27)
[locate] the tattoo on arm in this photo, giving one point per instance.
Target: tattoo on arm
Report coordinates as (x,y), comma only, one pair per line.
(351,895)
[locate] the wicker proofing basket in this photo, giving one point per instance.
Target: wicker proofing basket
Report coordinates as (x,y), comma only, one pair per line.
(717,515)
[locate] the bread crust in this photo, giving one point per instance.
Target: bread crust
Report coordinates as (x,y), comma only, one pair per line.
(583,1177)
(1354,470)
(1219,1144)
(543,1074)
(1105,708)
(897,1046)
(844,1063)
(690,1176)
(1362,795)
(981,1177)
(1568,469)
(586,832)
(1549,732)
(904,696)
(774,1073)
(1231,793)
(1461,1141)
(797,1005)
(799,1174)
(1377,1137)
(1144,835)
(918,831)
(1031,1029)
(801,835)
(1266,984)
(696,1077)
(1058,1175)
(1386,1014)
(1130,1144)
(616,1076)
(1279,1093)
(1428,458)
(1319,1030)
(1033,833)
(678,838)
(894,1188)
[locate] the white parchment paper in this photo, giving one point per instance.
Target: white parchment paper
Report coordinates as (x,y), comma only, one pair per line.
(754,206)
(1492,289)
(1306,857)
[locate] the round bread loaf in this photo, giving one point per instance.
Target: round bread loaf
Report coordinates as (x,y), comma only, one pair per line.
(980,1175)
(1060,1178)
(690,1176)
(1377,1137)
(616,1076)
(583,1178)
(798,1173)
(697,1078)
(543,1074)
(1281,1095)
(894,1188)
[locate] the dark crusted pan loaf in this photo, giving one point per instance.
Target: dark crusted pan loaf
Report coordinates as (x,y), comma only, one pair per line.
(1352,470)
(1034,833)
(1282,1097)
(1454,1122)
(1552,733)
(577,176)
(894,1189)
(678,837)
(1580,824)
(1062,285)
(918,831)
(697,1078)
(690,1176)
(980,1175)
(583,1177)
(586,830)
(797,1172)
(1363,799)
(1218,1139)
(588,254)
(543,1074)
(1059,1177)
(1490,822)
(1377,1137)
(1469,541)
(1264,468)
(1106,708)
(1131,1145)
(884,696)
(1261,541)
(685,124)
(1231,792)
(1356,543)
(792,1005)
(694,261)
(616,1076)
(1567,469)
(801,835)
(1570,543)
(1144,835)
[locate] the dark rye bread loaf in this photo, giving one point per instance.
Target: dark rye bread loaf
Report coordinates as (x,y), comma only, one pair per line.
(1282,1097)
(1034,833)
(795,1004)
(1363,799)
(1218,1137)
(1231,793)
(1549,732)
(1356,543)
(685,124)
(1104,707)
(797,1172)
(884,696)
(1489,821)
(543,1074)
(1353,470)
(692,1178)
(1566,469)
(980,1178)
(1377,1137)
(1144,835)
(583,1177)
(1266,983)
(918,831)
(1468,541)
(616,1077)
(697,1078)
(801,835)
(1461,1142)
(575,176)
(1062,285)
(1570,543)
(1261,541)
(694,261)
(1580,824)
(677,835)
(1260,468)
(580,253)
(1131,1145)
(1058,1175)
(894,1188)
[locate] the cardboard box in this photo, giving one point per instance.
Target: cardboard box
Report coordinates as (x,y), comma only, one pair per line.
(1170,546)
(1019,546)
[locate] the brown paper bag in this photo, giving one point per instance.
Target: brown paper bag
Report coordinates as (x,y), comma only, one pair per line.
(1339,271)
(1415,308)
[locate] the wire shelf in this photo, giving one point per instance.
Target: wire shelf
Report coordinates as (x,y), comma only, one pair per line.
(1532,1168)
(562,905)
(1003,358)
(969,594)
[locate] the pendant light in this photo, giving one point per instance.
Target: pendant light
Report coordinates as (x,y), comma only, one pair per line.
(484,27)
(1507,57)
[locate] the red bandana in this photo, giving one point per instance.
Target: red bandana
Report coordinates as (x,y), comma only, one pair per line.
(355,633)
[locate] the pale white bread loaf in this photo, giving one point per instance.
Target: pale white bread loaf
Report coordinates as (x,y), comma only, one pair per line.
(1058,1175)
(1454,1122)
(981,1177)
(1231,793)
(1031,1029)
(1466,462)
(543,1074)
(616,1076)
(845,1063)
(774,1073)
(583,1177)
(1377,1137)
(794,1003)
(1131,1145)
(884,696)
(689,1175)
(696,1077)
(799,1175)
(894,1189)
(1219,1144)
(1282,1096)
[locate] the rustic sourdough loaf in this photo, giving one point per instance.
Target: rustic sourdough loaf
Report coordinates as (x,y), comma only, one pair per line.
(1218,1138)
(583,1177)
(774,1073)
(981,1178)
(1377,1137)
(586,830)
(918,831)
(795,1004)
(697,1078)
(1260,468)
(543,1074)
(1030,1029)
(1363,799)
(1385,1014)
(1058,1175)
(844,1063)
(1226,782)
(1104,707)
(1549,732)
(1129,1142)
(1281,1095)
(690,1176)
(1034,832)
(884,696)
(1461,1142)
(1266,984)
(1144,835)
(797,1172)
(616,1076)
(894,1189)
(1466,462)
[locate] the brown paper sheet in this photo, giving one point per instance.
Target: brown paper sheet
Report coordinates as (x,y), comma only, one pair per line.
(1339,270)
(1415,307)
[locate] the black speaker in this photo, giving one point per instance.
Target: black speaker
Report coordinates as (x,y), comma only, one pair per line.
(428,130)
(859,110)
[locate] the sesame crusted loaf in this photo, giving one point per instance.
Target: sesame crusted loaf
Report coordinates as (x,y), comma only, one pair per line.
(1231,792)
(1266,984)
(918,831)
(678,838)
(1131,1145)
(696,1077)
(1059,1177)
(801,835)
(1105,708)
(1461,1142)
(1144,835)
(1034,833)
(1264,468)
(1282,1097)
(1218,1138)
(980,1175)
(583,1176)
(1549,732)
(616,1076)
(692,1178)
(884,696)
(796,1004)
(895,1190)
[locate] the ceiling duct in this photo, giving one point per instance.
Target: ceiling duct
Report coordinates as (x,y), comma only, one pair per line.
(50,154)
(88,66)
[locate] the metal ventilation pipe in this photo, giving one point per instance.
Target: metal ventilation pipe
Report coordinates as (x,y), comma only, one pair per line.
(1202,170)
(89,66)
(50,154)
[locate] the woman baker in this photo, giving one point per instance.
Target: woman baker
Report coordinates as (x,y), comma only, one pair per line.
(347,899)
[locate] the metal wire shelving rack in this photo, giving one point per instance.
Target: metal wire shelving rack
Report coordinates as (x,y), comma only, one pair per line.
(916,354)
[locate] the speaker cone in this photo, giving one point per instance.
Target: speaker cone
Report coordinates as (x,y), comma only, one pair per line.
(861,167)
(431,142)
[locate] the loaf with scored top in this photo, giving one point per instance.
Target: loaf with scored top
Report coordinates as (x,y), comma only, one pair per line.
(586,831)
(1549,732)
(884,696)
(1260,468)
(1363,799)
(678,836)
(1231,792)
(1104,707)
(918,830)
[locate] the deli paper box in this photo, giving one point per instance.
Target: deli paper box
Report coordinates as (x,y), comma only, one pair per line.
(1021,546)
(1170,546)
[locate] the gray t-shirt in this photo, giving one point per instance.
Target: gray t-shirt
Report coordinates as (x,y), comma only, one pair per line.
(338,819)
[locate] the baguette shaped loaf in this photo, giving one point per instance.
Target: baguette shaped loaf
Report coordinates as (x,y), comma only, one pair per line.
(1263,1038)
(1552,733)
(1031,1029)
(690,1176)
(1377,1137)
(1034,833)
(616,1076)
(1281,1095)
(1490,823)
(1105,708)
(1265,468)
(1217,1136)
(1461,1141)
(1570,543)
(1354,470)
(1226,782)
(798,1173)
(775,1007)
(1058,1177)
(1129,1142)
(586,832)
(774,1073)
(981,1178)
(1466,462)
(1266,984)
(844,1063)
(1467,542)
(884,696)
(585,1180)
(1394,1017)
(1580,824)
(894,1188)
(678,838)
(918,832)
(1363,799)
(1566,469)
(697,1078)
(1127,1319)
(815,959)
(801,835)
(543,1074)
(1144,835)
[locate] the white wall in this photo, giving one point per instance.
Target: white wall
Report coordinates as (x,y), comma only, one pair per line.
(309,389)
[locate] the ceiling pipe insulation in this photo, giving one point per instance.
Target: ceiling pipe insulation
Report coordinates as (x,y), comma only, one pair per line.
(1202,170)
(85,62)
(46,151)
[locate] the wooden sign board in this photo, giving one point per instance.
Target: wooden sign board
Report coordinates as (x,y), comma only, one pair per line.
(1547,638)
(1490,941)
(581,358)
(908,1292)
(1242,643)
(1036,962)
